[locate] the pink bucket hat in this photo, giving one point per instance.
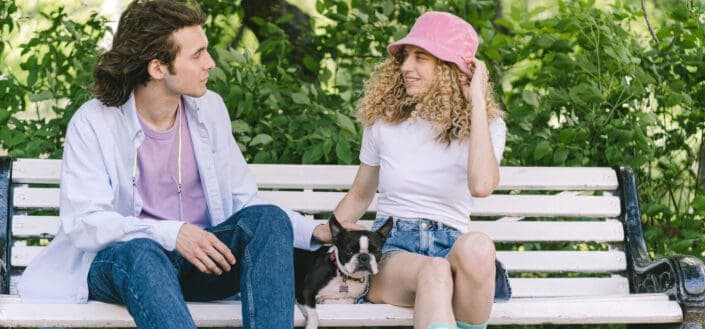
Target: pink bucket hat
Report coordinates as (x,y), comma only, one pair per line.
(443,35)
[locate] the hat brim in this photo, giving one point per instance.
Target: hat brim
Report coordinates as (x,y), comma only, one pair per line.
(431,47)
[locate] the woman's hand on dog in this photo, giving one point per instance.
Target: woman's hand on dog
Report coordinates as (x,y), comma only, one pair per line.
(322,231)
(203,249)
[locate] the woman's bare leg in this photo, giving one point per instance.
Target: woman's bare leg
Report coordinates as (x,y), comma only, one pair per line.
(426,283)
(472,262)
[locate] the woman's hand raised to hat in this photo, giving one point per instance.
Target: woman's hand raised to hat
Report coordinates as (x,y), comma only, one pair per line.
(476,89)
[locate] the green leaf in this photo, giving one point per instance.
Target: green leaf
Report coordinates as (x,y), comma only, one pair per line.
(42,96)
(343,152)
(4,116)
(381,17)
(229,55)
(218,75)
(313,154)
(698,203)
(262,139)
(240,127)
(560,156)
(542,149)
(344,122)
(284,19)
(567,135)
(586,93)
(261,157)
(300,98)
(545,40)
(530,97)
(310,63)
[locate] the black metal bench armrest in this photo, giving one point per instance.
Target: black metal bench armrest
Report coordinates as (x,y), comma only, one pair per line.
(5,223)
(681,277)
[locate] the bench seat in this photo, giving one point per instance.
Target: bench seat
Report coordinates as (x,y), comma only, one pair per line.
(642,308)
(570,238)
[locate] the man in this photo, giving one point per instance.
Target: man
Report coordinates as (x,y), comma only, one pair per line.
(157,203)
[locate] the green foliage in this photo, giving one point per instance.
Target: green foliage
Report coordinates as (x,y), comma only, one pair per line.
(575,93)
(586,90)
(582,85)
(279,118)
(672,200)
(59,61)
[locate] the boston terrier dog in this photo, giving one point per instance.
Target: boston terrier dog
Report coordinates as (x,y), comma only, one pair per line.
(339,273)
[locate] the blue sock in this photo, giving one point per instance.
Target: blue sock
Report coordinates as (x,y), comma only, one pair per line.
(463,325)
(439,326)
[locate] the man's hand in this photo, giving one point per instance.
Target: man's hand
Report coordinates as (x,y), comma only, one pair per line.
(204,250)
(322,231)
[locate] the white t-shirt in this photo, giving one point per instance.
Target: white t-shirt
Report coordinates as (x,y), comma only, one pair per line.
(420,177)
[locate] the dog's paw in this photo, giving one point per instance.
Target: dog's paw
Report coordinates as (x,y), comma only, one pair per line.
(302,308)
(311,317)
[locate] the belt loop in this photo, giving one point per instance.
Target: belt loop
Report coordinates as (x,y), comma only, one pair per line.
(395,222)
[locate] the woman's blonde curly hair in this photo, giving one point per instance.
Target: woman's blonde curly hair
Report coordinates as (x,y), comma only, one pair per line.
(443,104)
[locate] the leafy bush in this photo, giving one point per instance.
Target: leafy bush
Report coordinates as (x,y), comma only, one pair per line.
(583,85)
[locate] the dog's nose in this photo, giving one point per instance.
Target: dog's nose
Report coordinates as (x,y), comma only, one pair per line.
(364,258)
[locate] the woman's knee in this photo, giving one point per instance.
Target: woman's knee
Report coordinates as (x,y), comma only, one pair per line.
(435,273)
(472,253)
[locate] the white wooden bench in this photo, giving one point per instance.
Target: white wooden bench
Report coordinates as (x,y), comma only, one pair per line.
(571,239)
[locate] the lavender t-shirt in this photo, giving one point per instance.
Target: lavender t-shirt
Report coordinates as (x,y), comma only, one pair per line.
(158,172)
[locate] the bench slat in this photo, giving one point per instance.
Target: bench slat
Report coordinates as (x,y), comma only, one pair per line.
(516,261)
(511,178)
(320,202)
(527,287)
(563,287)
(524,287)
(341,177)
(601,231)
(618,309)
(563,261)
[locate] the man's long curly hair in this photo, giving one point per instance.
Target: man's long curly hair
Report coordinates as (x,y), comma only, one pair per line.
(443,104)
(144,33)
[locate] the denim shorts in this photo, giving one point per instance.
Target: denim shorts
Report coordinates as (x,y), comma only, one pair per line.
(431,238)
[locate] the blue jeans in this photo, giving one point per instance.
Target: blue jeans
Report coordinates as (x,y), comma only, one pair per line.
(431,238)
(154,283)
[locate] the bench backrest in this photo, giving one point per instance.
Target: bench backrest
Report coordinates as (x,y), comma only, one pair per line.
(557,228)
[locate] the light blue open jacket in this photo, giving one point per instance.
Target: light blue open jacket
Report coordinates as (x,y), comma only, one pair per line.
(97,198)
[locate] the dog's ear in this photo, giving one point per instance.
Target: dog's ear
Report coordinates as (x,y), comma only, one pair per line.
(384,230)
(335,227)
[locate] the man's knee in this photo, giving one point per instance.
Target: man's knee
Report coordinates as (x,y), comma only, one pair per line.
(268,219)
(138,253)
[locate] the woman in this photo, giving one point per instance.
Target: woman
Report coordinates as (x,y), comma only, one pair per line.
(433,139)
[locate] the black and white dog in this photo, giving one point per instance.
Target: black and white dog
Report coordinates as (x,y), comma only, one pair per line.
(339,274)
